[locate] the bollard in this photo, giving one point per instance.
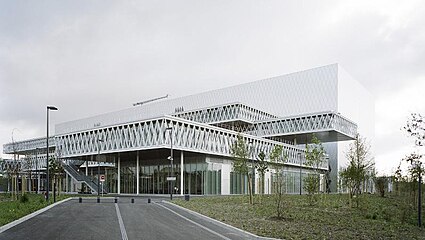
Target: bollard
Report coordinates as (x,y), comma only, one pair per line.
(186,197)
(132,200)
(98,199)
(116,200)
(80,200)
(149,200)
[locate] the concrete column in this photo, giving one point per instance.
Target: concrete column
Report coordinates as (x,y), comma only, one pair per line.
(87,167)
(119,174)
(38,183)
(181,173)
(137,174)
(225,178)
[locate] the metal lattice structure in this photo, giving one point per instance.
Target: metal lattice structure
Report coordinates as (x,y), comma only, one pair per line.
(192,134)
(225,113)
(312,123)
(149,134)
(28,146)
(11,166)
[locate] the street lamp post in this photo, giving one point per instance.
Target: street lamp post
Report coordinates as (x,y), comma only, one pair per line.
(251,151)
(299,156)
(36,170)
(99,140)
(53,108)
(170,184)
(419,195)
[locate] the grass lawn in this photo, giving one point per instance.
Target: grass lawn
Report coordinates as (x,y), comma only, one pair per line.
(12,210)
(330,218)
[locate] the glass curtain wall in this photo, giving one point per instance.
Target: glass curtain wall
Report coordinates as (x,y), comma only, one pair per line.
(200,177)
(238,183)
(291,181)
(111,182)
(128,176)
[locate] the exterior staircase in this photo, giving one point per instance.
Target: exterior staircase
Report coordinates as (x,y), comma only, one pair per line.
(71,168)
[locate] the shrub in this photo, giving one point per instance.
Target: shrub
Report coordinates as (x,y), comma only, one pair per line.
(24,198)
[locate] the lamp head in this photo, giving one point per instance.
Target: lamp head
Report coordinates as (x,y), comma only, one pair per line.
(52,108)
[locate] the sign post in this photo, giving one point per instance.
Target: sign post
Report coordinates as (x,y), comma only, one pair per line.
(102,180)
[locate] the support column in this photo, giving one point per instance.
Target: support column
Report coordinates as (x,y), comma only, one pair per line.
(87,167)
(181,173)
(119,174)
(137,174)
(226,168)
(38,183)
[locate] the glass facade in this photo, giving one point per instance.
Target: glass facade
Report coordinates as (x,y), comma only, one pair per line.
(199,177)
(238,183)
(291,181)
(202,175)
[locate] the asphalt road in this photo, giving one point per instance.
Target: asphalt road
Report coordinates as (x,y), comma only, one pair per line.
(124,220)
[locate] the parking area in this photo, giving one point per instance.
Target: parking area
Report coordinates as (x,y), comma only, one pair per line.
(129,218)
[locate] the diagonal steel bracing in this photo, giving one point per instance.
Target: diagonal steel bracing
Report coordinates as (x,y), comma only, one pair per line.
(149,134)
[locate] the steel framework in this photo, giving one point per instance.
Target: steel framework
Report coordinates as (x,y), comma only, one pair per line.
(327,121)
(194,131)
(226,113)
(149,134)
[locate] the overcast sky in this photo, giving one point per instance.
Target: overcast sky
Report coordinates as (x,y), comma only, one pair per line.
(92,57)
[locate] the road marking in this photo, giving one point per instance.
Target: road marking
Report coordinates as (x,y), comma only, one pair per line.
(197,224)
(122,228)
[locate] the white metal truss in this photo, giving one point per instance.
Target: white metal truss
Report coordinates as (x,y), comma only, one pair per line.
(225,113)
(328,121)
(151,134)
(28,145)
(29,163)
(190,134)
(10,165)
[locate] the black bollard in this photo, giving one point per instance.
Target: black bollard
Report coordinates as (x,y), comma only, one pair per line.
(98,199)
(80,200)
(149,200)
(132,200)
(116,200)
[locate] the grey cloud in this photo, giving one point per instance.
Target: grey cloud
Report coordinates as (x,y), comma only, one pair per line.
(94,57)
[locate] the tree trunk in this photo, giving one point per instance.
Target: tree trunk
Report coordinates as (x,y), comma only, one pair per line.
(59,185)
(250,189)
(350,198)
(12,183)
(16,187)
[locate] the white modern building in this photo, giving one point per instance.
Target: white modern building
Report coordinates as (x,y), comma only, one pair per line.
(132,147)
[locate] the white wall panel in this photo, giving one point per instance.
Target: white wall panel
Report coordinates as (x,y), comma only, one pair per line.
(313,90)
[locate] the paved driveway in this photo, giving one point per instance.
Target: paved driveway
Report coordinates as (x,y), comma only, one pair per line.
(125,220)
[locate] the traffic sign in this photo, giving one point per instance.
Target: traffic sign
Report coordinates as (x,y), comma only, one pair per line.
(102,178)
(171,178)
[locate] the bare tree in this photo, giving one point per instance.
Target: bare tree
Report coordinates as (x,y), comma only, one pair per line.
(360,166)
(278,159)
(315,156)
(15,170)
(415,127)
(240,153)
(262,166)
